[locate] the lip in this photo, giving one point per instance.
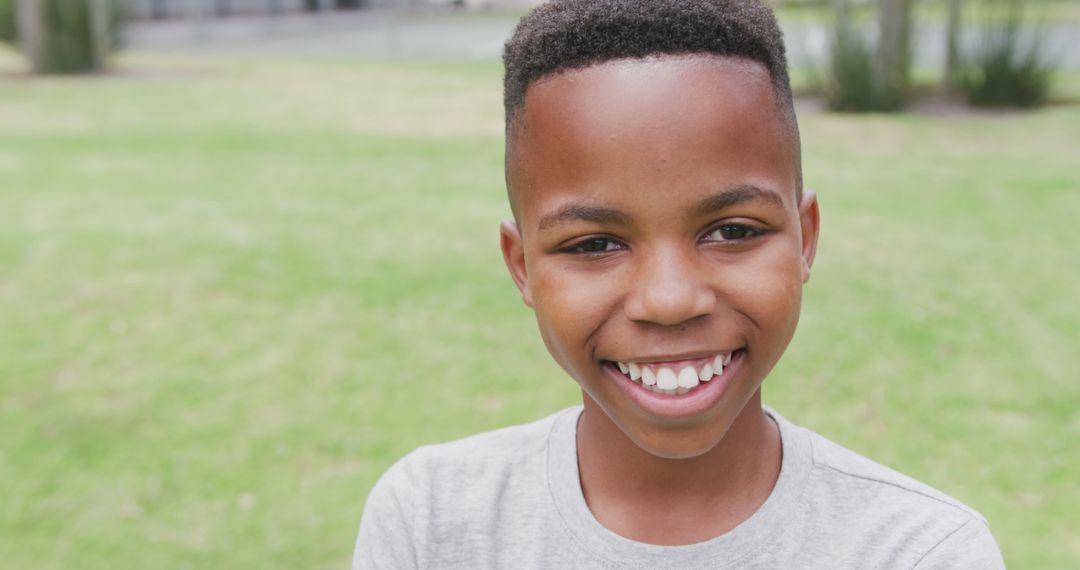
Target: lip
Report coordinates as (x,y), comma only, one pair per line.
(693,359)
(677,357)
(697,401)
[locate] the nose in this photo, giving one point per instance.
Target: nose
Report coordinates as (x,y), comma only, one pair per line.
(669,289)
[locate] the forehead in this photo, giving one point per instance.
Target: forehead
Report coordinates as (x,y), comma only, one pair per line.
(670,126)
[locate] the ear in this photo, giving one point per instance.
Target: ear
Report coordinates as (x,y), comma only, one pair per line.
(810,220)
(513,250)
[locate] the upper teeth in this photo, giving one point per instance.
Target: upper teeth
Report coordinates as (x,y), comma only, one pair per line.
(673,379)
(666,379)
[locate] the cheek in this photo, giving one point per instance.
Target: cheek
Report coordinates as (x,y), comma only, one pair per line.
(569,308)
(768,290)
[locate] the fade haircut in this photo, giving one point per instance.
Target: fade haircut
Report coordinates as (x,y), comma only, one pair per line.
(563,35)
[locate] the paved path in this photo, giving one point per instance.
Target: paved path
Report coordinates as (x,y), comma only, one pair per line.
(361,34)
(449,35)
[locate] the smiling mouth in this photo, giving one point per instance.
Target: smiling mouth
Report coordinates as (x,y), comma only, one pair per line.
(675,377)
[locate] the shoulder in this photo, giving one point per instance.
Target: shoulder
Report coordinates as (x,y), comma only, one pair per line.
(849,469)
(463,470)
(879,514)
(496,443)
(438,498)
(506,445)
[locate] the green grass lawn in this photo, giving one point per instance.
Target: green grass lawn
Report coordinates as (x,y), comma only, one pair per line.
(233,292)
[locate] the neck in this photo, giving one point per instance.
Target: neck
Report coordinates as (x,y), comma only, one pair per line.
(627,488)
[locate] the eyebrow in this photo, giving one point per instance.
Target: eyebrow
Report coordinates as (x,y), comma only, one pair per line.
(737,195)
(579,212)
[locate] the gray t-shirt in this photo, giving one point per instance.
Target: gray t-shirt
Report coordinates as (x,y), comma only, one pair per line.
(512,498)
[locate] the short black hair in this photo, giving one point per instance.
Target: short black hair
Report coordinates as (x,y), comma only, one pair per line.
(561,35)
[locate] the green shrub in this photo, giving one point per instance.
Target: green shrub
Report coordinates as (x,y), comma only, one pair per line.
(1004,70)
(855,82)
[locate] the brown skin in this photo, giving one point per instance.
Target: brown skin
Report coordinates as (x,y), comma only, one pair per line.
(646,267)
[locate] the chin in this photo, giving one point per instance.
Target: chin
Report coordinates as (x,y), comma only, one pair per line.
(680,442)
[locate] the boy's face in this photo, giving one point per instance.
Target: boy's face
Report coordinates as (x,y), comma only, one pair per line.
(658,224)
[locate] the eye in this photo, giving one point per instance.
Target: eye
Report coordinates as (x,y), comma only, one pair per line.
(733,232)
(593,246)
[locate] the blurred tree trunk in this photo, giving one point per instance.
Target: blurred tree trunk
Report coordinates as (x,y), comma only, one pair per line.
(842,11)
(100,36)
(65,36)
(31,28)
(952,47)
(894,45)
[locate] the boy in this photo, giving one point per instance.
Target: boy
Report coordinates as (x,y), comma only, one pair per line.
(662,237)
